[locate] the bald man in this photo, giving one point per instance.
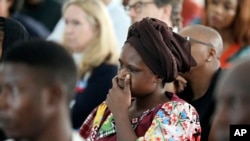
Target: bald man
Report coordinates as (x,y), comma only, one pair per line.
(206,48)
(232,96)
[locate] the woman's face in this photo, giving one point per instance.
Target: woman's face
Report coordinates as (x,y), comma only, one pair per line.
(79,31)
(221,13)
(143,81)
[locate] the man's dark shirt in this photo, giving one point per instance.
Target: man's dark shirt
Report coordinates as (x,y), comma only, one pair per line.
(205,105)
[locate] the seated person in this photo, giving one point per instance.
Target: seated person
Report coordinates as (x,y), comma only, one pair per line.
(11,32)
(232,96)
(137,107)
(96,55)
(37,81)
(206,48)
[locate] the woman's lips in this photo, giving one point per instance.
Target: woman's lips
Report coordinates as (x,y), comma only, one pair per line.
(215,20)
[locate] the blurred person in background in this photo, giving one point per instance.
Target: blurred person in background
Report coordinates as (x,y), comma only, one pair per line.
(47,12)
(231,18)
(11,32)
(120,20)
(90,37)
(37,80)
(168,11)
(232,97)
(11,9)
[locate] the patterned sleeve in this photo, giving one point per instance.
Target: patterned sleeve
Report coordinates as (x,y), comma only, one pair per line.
(174,121)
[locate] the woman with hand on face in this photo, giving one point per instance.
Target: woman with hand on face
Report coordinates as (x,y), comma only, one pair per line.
(137,107)
(232,20)
(90,38)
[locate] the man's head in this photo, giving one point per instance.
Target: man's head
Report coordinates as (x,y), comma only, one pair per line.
(37,81)
(206,46)
(165,10)
(232,95)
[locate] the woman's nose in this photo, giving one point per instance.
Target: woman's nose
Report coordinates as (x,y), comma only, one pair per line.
(122,73)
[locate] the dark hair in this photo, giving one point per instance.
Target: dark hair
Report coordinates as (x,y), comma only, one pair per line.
(47,57)
(13,32)
(16,6)
(176,10)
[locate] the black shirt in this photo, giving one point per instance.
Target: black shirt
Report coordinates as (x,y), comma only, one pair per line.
(95,93)
(205,105)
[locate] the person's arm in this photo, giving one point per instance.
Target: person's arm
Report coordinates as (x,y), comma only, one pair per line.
(118,101)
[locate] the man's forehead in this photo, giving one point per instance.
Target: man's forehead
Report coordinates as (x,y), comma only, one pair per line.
(14,68)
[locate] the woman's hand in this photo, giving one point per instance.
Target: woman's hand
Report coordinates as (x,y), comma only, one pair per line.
(118,99)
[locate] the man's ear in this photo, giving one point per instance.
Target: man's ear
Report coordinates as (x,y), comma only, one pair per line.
(166,13)
(212,54)
(55,93)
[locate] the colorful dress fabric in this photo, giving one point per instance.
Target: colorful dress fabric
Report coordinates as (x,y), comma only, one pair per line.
(175,120)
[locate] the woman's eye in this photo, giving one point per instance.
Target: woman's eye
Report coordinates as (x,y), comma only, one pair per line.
(132,69)
(75,22)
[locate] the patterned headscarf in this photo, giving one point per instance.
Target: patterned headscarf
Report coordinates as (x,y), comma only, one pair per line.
(163,51)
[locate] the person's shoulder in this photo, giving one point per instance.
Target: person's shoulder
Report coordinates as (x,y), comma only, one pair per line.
(104,67)
(178,106)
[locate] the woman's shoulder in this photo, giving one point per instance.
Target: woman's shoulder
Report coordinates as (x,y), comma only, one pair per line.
(106,67)
(243,52)
(178,106)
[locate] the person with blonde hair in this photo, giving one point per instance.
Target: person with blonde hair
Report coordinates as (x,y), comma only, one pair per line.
(90,38)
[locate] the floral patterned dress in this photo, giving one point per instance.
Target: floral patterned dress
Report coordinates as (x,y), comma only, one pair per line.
(175,120)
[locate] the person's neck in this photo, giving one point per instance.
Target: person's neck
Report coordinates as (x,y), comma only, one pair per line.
(227,38)
(151,100)
(200,80)
(58,129)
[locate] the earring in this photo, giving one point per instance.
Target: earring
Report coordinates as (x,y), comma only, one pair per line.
(209,59)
